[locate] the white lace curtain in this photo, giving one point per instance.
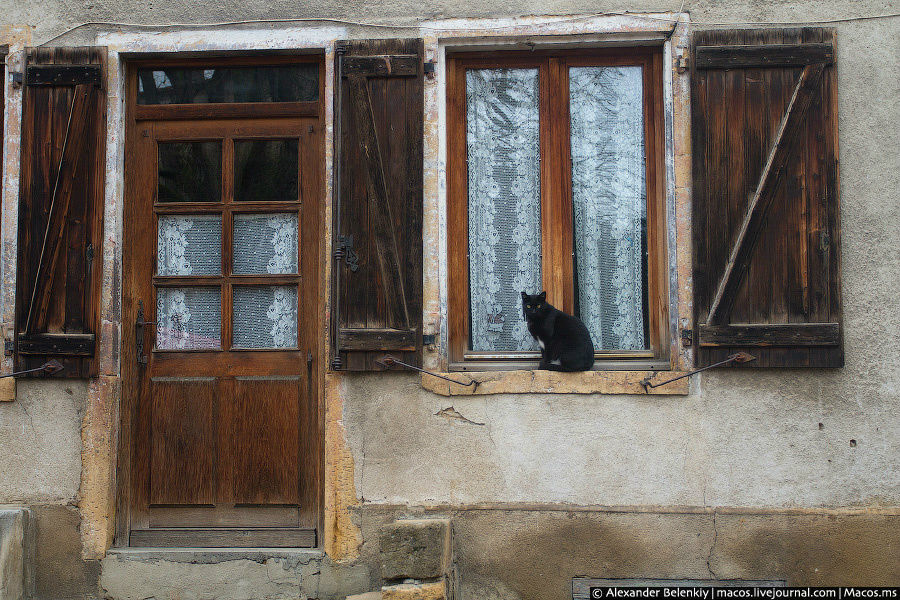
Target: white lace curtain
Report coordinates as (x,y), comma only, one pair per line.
(609,197)
(503,148)
(264,316)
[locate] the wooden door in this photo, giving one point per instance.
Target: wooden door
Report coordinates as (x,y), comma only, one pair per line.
(223,309)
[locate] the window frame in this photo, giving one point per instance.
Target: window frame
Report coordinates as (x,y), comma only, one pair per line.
(556,197)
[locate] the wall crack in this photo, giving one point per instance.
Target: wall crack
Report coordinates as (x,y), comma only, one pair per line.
(712,547)
(452,413)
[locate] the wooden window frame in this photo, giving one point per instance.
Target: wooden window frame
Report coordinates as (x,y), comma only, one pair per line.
(556,198)
(226,110)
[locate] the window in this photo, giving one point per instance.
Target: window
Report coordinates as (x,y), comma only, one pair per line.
(556,183)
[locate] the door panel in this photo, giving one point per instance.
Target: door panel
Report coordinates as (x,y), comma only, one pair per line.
(182,441)
(259,442)
(222,256)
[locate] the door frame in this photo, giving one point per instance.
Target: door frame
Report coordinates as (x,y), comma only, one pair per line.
(130,375)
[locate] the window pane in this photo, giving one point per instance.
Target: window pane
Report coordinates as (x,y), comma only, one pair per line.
(265,317)
(266,170)
(190,172)
(503,149)
(609,196)
(265,244)
(191,85)
(188,318)
(189,245)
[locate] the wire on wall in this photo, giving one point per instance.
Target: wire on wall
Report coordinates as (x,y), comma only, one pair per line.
(420,26)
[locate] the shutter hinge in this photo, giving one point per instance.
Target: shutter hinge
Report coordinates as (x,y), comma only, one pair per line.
(9,347)
(430,69)
(687,336)
(429,339)
(336,363)
(683,63)
(341,48)
(16,78)
(345,251)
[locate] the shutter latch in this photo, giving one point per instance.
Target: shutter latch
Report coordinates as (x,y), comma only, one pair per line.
(345,251)
(139,325)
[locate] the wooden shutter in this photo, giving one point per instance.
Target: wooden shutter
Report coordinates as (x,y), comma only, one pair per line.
(61,208)
(377,277)
(767,266)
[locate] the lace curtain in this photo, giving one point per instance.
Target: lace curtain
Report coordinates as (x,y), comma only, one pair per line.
(188,318)
(609,197)
(503,149)
(265,317)
(265,244)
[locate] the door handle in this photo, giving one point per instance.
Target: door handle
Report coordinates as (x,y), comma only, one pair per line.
(139,325)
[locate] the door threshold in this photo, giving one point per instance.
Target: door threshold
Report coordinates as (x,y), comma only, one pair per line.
(216,555)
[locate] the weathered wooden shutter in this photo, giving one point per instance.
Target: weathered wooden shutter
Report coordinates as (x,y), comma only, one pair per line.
(377,277)
(61,208)
(767,264)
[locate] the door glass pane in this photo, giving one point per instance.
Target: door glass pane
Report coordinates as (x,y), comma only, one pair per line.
(193,85)
(503,150)
(188,318)
(610,203)
(265,317)
(190,172)
(189,245)
(266,170)
(265,244)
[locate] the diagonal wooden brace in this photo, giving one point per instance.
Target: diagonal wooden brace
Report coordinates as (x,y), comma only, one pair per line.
(755,217)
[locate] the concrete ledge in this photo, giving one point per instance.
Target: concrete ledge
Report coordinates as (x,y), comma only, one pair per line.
(16,554)
(554,382)
(208,556)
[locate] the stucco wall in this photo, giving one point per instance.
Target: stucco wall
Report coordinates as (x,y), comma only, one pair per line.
(752,439)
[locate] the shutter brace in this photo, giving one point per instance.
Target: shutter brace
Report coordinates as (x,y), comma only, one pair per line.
(739,357)
(389,361)
(50,367)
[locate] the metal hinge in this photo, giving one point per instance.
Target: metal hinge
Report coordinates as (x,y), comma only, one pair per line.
(16,78)
(430,69)
(429,339)
(9,347)
(683,63)
(336,363)
(687,337)
(345,251)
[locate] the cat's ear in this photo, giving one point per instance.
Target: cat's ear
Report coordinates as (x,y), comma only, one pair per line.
(524,295)
(542,296)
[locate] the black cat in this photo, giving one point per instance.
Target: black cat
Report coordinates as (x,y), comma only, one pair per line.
(565,341)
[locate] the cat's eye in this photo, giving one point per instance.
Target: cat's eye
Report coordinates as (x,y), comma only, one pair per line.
(527,306)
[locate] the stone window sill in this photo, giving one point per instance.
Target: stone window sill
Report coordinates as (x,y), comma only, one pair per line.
(554,382)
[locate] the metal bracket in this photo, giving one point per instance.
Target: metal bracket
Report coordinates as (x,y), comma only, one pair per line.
(16,78)
(429,339)
(430,69)
(683,64)
(687,337)
(9,347)
(345,251)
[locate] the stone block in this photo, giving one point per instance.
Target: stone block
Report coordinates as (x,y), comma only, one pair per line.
(415,549)
(8,389)
(418,591)
(15,554)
